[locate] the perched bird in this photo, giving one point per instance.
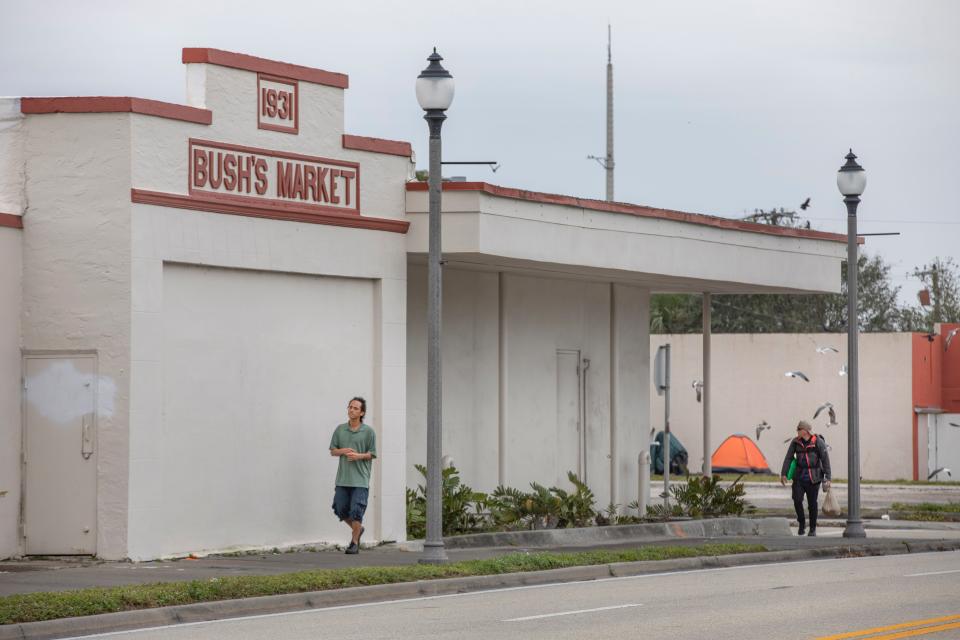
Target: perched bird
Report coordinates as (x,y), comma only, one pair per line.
(698,387)
(797,374)
(930,336)
(805,205)
(949,339)
(761,428)
(936,471)
(843,370)
(830,412)
(827,350)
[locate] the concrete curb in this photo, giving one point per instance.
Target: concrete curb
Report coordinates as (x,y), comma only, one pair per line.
(145,618)
(710,528)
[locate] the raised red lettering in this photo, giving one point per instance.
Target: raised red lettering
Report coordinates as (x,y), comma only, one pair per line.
(271,102)
(230,171)
(323,196)
(283,105)
(199,168)
(298,183)
(243,173)
(216,170)
(284,179)
(310,182)
(347,177)
(334,183)
(260,169)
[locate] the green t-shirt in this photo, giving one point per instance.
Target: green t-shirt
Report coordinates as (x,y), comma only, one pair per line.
(354,473)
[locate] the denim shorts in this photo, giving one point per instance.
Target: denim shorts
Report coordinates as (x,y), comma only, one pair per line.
(349,503)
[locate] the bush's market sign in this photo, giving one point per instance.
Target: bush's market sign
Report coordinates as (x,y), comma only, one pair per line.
(233,172)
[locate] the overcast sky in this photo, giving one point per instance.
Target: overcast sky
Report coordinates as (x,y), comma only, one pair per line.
(720,107)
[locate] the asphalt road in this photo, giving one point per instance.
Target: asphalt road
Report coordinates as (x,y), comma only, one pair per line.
(815,599)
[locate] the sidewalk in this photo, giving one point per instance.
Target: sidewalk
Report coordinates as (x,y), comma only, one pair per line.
(781,542)
(61,574)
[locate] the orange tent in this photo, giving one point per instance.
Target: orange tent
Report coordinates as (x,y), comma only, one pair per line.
(739,454)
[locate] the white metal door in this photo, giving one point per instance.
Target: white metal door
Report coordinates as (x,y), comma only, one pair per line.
(569,435)
(944,446)
(60,461)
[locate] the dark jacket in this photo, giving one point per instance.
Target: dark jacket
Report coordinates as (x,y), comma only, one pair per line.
(811,455)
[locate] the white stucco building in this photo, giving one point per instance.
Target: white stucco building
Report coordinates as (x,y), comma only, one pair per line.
(190,294)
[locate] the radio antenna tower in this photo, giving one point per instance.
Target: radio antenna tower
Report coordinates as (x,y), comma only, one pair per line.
(607,162)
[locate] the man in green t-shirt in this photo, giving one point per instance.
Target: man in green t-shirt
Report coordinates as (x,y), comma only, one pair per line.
(355,443)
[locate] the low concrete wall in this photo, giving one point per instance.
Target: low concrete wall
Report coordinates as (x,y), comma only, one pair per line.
(710,528)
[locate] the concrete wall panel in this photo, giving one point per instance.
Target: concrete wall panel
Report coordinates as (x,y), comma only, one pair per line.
(10,423)
(750,386)
(257,371)
(76,277)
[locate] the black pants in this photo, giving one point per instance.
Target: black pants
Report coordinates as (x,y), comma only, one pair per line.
(805,488)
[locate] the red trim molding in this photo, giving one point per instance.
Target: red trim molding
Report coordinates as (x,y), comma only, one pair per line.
(11,220)
(275,211)
(634,210)
(262,65)
(111,104)
(377,145)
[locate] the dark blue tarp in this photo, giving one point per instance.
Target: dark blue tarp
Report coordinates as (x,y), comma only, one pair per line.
(678,455)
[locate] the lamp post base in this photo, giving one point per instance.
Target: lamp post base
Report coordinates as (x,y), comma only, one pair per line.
(854,529)
(433,553)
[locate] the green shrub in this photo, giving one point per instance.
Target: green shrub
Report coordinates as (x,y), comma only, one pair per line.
(542,508)
(463,508)
(703,496)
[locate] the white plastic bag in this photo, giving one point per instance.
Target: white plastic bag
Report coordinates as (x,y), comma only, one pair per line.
(831,506)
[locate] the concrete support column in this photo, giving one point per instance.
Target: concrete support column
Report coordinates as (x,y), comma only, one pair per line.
(502,380)
(630,387)
(707,445)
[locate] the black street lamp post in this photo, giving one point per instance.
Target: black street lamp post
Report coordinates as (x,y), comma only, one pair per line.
(434,93)
(852,180)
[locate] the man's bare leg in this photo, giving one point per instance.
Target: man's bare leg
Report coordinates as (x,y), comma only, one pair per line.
(355,528)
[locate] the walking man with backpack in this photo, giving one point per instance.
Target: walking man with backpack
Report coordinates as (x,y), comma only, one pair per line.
(355,443)
(812,468)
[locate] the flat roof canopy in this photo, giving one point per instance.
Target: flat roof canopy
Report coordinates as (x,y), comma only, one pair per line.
(494,228)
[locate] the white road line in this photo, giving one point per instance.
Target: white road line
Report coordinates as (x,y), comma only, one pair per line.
(931,573)
(570,613)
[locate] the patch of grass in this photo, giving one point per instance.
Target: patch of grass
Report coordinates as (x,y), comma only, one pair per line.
(928,507)
(926,516)
(33,607)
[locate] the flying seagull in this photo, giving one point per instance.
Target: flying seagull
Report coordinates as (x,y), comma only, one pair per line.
(797,374)
(827,350)
(936,471)
(953,332)
(698,387)
(761,427)
(954,424)
(830,412)
(843,370)
(805,205)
